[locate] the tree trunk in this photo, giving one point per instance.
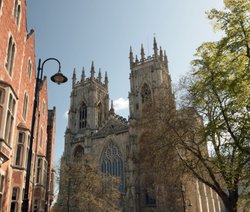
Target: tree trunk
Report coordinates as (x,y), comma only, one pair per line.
(231,202)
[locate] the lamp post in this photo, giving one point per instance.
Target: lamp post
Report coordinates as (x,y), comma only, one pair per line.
(57,78)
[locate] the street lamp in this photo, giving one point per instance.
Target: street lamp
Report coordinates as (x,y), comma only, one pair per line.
(57,78)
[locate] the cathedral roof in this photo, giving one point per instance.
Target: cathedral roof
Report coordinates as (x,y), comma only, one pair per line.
(114,125)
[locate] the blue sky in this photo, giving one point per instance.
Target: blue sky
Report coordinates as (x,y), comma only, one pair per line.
(83,31)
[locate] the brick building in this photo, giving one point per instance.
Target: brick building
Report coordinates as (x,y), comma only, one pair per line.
(17,85)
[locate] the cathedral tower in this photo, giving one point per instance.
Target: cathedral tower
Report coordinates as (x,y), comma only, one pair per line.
(89,105)
(116,146)
(149,78)
(149,82)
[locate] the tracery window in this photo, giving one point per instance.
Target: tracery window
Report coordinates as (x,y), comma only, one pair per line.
(83,116)
(112,163)
(145,93)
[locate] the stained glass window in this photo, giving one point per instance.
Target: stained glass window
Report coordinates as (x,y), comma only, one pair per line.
(112,163)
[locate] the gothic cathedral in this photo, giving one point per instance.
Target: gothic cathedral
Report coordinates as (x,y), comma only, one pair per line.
(113,141)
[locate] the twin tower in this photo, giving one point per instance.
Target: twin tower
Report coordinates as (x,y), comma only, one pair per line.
(110,140)
(89,99)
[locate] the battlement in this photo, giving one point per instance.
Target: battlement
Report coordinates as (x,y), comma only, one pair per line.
(91,79)
(158,56)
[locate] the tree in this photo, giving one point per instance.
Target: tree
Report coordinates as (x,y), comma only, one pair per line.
(84,188)
(219,91)
(160,169)
(210,133)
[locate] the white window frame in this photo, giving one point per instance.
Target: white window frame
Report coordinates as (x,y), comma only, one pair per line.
(17,12)
(15,201)
(2,187)
(41,137)
(2,107)
(1,6)
(29,68)
(20,148)
(9,113)
(25,105)
(39,169)
(10,55)
(43,107)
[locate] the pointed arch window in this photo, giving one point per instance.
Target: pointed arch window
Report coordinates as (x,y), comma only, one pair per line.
(145,93)
(112,163)
(99,114)
(83,116)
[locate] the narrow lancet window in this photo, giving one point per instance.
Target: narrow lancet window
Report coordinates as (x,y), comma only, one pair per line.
(145,93)
(99,114)
(83,116)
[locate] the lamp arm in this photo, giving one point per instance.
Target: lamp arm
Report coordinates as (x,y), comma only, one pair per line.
(40,67)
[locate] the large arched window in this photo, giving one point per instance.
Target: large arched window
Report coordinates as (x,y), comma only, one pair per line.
(99,114)
(83,116)
(145,93)
(112,163)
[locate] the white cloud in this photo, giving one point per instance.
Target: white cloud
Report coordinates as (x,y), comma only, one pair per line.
(120,104)
(66,114)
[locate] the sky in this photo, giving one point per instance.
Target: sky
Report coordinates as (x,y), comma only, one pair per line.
(83,31)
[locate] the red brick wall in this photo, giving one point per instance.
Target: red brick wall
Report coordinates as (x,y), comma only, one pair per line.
(20,82)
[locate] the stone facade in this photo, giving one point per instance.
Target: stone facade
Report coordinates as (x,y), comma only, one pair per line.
(113,143)
(17,87)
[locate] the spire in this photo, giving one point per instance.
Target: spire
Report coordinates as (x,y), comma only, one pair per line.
(155,48)
(136,59)
(161,54)
(131,57)
(92,72)
(74,78)
(99,75)
(106,79)
(166,59)
(142,54)
(112,111)
(83,74)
